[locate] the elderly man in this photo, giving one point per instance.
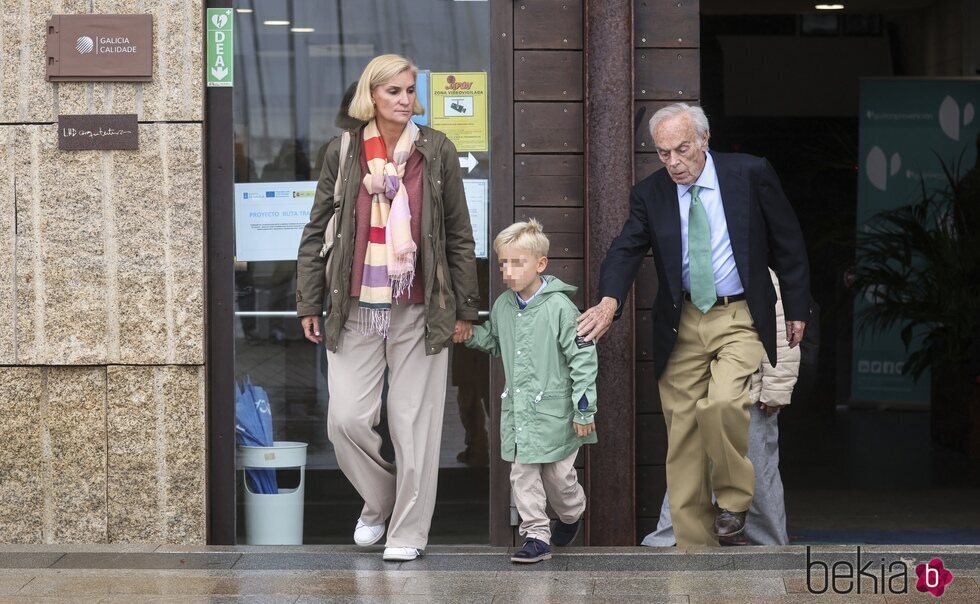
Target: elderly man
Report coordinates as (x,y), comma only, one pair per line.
(715,223)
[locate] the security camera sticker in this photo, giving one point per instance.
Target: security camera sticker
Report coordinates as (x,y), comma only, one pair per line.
(458,101)
(459,106)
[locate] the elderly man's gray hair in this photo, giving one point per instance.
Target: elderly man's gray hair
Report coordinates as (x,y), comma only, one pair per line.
(697,116)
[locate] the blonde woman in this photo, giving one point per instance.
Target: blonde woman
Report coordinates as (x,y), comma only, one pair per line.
(401,283)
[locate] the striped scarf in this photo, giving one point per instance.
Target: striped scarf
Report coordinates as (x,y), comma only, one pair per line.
(389,264)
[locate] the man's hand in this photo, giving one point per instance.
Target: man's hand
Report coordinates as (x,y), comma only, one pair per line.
(769,409)
(794,332)
(462,332)
(584,430)
(595,322)
(311,328)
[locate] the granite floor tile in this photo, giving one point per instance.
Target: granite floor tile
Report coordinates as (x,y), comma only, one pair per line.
(633,586)
(924,597)
(966,561)
(81,586)
(451,574)
(595,599)
(464,550)
(689,584)
(11,583)
(377,585)
(568,585)
(302,561)
(774,561)
(599,564)
(85,548)
(53,600)
(482,562)
(447,583)
(406,599)
(148,560)
(960,587)
(172,548)
(28,559)
(178,587)
(785,599)
(143,599)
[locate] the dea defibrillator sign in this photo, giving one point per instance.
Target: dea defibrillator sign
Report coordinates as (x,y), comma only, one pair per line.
(219,67)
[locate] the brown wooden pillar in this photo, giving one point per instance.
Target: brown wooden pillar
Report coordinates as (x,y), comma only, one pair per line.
(610,472)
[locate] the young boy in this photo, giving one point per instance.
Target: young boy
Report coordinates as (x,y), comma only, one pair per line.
(548,405)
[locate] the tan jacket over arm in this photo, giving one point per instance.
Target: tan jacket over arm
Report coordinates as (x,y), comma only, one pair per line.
(774,385)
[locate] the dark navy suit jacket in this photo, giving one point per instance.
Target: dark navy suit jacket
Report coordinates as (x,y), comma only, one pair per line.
(763,230)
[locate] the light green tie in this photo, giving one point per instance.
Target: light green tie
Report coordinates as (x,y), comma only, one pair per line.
(703,292)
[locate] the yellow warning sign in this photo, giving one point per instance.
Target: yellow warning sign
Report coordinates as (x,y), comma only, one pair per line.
(458,105)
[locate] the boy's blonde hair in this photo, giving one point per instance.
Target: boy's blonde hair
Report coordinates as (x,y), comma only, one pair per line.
(524,235)
(380,70)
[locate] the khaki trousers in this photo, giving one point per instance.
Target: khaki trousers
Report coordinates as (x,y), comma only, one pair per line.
(705,394)
(404,492)
(537,484)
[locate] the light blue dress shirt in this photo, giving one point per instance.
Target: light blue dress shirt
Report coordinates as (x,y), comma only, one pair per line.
(727,281)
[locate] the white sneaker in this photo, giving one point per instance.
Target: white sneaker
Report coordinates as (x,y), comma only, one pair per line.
(365,535)
(401,554)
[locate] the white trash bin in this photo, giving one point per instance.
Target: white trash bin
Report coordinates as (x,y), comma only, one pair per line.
(274,519)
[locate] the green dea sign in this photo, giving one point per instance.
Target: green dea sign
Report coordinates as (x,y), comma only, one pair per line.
(220,46)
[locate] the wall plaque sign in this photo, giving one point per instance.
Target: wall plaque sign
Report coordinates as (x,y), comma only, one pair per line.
(87,48)
(99,132)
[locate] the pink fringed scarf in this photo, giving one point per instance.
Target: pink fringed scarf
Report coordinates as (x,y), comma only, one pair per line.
(389,264)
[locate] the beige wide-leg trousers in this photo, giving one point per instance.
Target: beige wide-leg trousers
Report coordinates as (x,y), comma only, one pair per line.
(537,484)
(705,395)
(405,492)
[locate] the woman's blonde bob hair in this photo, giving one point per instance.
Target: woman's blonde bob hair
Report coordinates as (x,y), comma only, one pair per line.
(379,71)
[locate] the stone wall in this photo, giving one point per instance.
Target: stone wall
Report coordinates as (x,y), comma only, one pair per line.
(102,408)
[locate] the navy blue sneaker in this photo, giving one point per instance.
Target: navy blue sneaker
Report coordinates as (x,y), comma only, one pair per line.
(534,550)
(562,534)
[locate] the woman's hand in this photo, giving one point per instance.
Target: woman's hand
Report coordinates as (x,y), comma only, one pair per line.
(311,328)
(462,332)
(769,410)
(584,430)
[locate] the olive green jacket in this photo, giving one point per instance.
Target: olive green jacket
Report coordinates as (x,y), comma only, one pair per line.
(548,371)
(446,249)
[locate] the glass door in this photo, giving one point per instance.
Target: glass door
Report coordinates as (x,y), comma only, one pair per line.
(295,61)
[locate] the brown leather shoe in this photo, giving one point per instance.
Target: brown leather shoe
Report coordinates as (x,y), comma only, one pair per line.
(728,524)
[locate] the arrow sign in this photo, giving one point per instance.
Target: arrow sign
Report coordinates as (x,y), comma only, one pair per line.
(469,162)
(221,44)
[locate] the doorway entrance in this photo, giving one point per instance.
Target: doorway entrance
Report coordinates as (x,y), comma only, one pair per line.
(296,62)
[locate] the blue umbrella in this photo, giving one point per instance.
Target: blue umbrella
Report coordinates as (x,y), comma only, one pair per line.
(253,428)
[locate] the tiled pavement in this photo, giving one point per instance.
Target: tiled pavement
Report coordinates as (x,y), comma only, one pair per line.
(136,573)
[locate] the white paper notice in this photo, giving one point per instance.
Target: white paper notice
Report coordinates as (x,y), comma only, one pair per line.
(477,193)
(269,219)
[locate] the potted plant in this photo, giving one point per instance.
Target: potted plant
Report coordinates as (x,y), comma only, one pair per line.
(920,265)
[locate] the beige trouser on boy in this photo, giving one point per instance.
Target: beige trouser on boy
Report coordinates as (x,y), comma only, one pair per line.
(405,492)
(705,394)
(537,484)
